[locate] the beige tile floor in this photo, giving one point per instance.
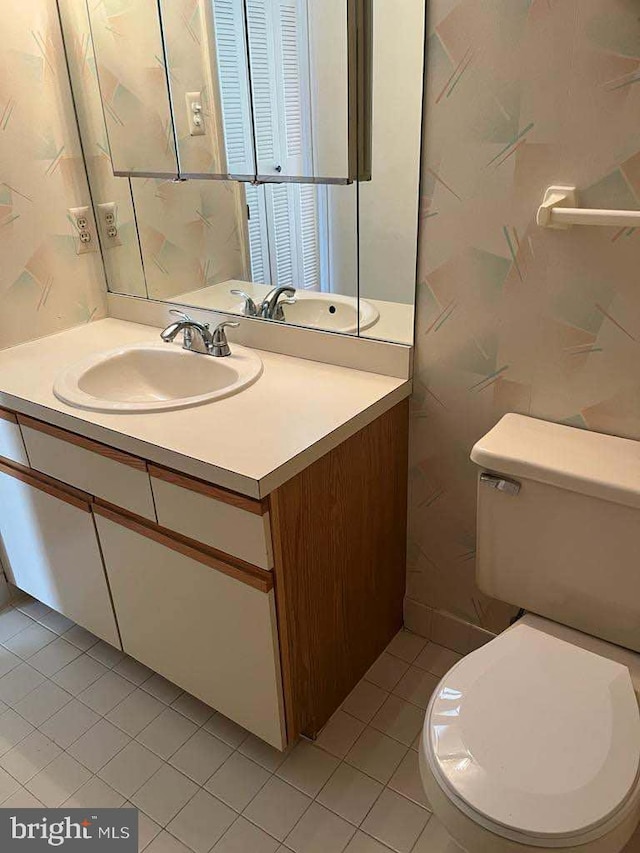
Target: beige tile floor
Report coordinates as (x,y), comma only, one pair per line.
(83,725)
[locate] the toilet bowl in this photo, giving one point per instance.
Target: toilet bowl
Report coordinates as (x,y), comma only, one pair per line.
(533,743)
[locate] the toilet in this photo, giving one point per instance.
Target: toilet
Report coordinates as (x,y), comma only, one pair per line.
(532,742)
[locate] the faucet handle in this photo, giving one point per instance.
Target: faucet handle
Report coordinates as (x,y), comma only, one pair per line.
(250,309)
(178,313)
(219,342)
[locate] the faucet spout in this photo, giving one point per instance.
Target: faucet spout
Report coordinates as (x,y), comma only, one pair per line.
(271,307)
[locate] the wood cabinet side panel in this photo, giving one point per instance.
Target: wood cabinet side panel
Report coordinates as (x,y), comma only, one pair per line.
(339,531)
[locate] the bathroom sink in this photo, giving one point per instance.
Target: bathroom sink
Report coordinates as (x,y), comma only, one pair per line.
(330,311)
(154,378)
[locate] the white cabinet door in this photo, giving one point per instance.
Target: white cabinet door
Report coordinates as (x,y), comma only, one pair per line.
(202,627)
(50,550)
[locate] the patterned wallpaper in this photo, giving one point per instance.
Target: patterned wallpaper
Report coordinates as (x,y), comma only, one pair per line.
(44,285)
(520,94)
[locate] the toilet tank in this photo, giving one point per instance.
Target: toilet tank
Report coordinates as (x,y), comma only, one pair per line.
(559,525)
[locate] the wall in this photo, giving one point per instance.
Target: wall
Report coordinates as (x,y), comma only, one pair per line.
(44,285)
(520,95)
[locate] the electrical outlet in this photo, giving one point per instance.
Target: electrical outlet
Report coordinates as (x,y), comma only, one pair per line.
(83,222)
(108,224)
(195,113)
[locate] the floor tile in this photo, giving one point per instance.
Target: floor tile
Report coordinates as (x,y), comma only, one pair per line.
(135,712)
(416,686)
(436,659)
(350,793)
(237,781)
(165,843)
(307,768)
(399,719)
(226,730)
(147,830)
(13,729)
(395,821)
(407,781)
(29,756)
(8,785)
(406,646)
(70,723)
(54,656)
(166,792)
(132,670)
(95,794)
(29,641)
(361,843)
(56,622)
(58,781)
(98,745)
(277,808)
(21,799)
(167,733)
(130,768)
(15,685)
(162,689)
(263,754)
(8,660)
(244,837)
(193,708)
(320,831)
(202,822)
(436,839)
(201,756)
(376,755)
(340,733)
(107,654)
(11,623)
(42,703)
(32,608)
(80,637)
(364,701)
(107,692)
(79,674)
(387,671)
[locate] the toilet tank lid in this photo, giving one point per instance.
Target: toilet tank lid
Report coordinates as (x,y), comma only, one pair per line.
(601,466)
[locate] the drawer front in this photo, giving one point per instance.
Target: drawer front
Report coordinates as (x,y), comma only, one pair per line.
(11,443)
(213,635)
(194,509)
(102,471)
(50,550)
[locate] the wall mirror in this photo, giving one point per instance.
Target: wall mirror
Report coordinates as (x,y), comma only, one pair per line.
(345,250)
(269,90)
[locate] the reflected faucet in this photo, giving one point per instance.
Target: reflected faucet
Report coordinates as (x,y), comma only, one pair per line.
(271,307)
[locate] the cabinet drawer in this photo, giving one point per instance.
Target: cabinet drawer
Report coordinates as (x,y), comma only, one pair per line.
(11,443)
(95,468)
(50,550)
(206,630)
(223,520)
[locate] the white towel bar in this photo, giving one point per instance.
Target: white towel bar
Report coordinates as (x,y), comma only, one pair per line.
(559,210)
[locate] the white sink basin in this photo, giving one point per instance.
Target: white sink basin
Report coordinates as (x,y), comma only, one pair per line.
(154,378)
(330,311)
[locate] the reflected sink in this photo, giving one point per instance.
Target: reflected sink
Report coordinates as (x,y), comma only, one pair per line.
(329,311)
(154,378)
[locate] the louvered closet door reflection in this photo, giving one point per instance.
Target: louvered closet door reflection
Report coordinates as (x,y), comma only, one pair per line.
(293,235)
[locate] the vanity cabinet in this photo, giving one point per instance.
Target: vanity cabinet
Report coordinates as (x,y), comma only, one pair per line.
(50,550)
(203,624)
(270,610)
(11,443)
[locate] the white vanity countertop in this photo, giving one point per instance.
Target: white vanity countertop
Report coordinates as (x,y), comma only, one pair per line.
(251,442)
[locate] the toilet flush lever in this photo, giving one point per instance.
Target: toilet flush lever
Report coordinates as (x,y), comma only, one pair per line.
(502,484)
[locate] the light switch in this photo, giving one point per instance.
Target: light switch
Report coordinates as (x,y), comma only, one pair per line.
(195,113)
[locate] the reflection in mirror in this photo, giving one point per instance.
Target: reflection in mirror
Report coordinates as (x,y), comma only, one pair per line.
(130,64)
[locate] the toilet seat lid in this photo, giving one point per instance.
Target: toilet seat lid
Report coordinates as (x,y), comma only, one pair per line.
(536,735)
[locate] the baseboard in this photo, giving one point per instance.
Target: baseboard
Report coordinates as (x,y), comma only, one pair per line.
(443,628)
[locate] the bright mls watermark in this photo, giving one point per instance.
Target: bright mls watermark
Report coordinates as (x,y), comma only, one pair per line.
(69,830)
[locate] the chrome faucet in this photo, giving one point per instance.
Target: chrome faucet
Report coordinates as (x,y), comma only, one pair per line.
(197,337)
(271,307)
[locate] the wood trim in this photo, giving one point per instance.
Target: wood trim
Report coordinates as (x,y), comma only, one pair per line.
(339,536)
(257,507)
(253,576)
(6,415)
(48,485)
(85,443)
